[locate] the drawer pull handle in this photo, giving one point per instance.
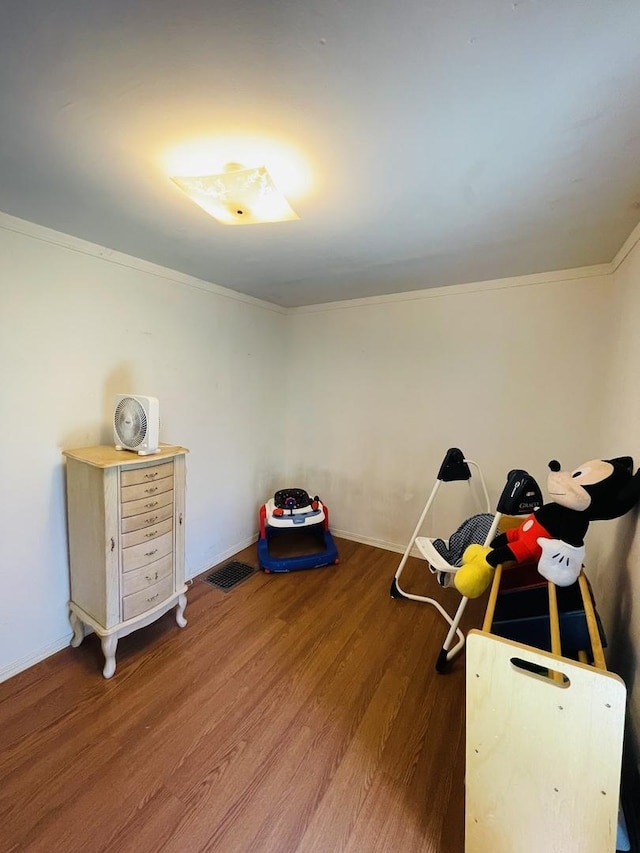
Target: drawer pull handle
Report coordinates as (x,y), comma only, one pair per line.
(151,553)
(151,491)
(151,535)
(151,476)
(153,597)
(151,505)
(113,544)
(152,519)
(149,578)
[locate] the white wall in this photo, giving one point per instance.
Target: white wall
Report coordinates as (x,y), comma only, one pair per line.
(77,325)
(509,372)
(614,547)
(514,375)
(372,394)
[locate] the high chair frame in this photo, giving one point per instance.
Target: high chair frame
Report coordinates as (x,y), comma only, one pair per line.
(520,496)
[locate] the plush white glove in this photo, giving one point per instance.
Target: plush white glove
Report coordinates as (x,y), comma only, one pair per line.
(560,563)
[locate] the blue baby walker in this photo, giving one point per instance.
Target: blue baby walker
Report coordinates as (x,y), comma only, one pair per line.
(288,512)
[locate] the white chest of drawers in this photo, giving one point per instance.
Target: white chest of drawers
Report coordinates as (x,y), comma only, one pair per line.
(126,541)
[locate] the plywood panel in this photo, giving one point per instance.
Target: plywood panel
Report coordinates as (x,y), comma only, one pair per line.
(543,755)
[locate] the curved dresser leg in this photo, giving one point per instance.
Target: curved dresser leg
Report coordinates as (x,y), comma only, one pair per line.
(182,603)
(109,645)
(78,629)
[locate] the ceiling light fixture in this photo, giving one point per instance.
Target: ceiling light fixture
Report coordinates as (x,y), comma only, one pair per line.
(238,195)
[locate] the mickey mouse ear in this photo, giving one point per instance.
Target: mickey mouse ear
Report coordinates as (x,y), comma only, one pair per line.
(622,462)
(629,495)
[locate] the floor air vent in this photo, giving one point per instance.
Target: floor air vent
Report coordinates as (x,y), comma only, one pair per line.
(230,575)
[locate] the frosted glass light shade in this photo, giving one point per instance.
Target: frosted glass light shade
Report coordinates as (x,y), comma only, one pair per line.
(238,196)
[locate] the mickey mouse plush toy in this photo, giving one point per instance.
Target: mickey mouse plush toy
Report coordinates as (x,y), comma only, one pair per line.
(554,534)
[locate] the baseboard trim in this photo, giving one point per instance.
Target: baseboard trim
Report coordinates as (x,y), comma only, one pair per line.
(215,560)
(15,668)
(376,543)
(340,534)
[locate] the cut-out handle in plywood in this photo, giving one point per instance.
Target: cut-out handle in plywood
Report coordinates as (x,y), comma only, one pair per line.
(543,754)
(553,676)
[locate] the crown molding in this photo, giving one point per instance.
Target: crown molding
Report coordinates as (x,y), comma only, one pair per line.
(532,280)
(76,244)
(626,248)
(84,247)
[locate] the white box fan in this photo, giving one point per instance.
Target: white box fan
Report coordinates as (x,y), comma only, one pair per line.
(136,423)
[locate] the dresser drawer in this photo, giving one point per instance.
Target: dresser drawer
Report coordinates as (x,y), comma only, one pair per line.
(147,534)
(146,599)
(146,475)
(153,502)
(146,552)
(146,490)
(141,579)
(150,516)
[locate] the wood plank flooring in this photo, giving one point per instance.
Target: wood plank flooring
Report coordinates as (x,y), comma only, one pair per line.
(298,712)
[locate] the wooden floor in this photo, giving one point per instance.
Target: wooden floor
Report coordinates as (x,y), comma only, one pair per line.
(298,712)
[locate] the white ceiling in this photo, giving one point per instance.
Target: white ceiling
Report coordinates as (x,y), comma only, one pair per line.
(447,140)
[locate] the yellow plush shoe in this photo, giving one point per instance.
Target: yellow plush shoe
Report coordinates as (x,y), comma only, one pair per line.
(475,574)
(474,552)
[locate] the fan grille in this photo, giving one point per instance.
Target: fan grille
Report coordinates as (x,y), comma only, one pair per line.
(130,422)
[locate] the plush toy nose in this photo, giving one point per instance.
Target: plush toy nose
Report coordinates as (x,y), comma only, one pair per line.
(554,465)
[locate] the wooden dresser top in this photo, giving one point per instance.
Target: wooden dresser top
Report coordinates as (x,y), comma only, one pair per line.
(106,456)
